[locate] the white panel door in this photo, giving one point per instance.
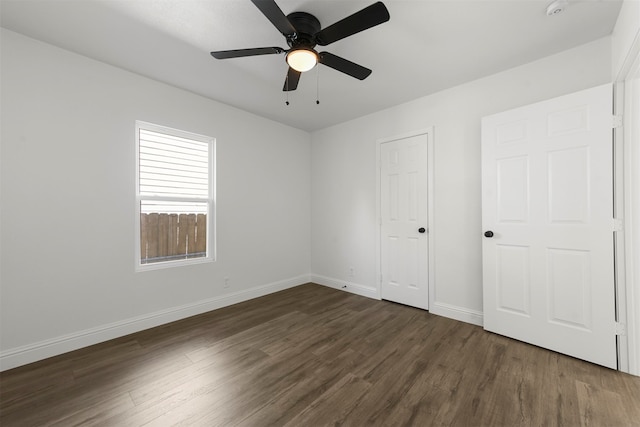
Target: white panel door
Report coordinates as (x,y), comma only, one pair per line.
(547,203)
(403,198)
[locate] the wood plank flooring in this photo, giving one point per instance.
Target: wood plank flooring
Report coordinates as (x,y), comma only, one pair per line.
(315,356)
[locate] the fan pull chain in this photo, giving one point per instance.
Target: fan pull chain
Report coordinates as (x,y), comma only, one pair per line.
(287,84)
(318,85)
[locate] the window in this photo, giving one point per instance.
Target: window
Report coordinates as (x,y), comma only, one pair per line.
(174,197)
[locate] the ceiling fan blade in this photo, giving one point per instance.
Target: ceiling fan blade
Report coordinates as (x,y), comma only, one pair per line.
(291,81)
(272,11)
(344,66)
(238,53)
(368,17)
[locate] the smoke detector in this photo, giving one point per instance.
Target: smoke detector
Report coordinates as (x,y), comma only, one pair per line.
(557,7)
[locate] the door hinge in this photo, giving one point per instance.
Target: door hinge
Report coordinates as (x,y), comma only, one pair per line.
(616,121)
(618,225)
(621,329)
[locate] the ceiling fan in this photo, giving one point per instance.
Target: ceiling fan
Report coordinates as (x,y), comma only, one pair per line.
(303,32)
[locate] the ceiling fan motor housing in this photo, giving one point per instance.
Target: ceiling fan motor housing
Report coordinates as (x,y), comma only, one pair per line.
(306,26)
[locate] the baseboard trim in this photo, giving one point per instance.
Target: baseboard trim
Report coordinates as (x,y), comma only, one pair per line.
(441,309)
(457,313)
(354,288)
(19,356)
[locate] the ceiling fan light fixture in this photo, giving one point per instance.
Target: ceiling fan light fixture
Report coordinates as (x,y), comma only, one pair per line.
(303,32)
(302,59)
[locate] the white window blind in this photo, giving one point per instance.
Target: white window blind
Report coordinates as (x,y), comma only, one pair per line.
(173,166)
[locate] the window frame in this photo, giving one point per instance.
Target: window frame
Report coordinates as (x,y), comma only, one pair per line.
(210,200)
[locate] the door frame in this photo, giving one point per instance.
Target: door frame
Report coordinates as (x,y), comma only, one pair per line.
(430,208)
(626,187)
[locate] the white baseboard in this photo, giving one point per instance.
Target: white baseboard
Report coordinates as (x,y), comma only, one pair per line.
(457,313)
(19,356)
(441,309)
(354,288)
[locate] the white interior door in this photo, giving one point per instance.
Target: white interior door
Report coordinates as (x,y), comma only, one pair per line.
(404,234)
(547,197)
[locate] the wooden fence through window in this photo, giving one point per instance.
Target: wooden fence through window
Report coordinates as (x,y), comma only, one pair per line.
(165,237)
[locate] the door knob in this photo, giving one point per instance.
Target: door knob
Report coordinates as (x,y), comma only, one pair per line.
(488,233)
(421,230)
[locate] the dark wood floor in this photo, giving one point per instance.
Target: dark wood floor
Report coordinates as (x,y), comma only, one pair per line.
(314,356)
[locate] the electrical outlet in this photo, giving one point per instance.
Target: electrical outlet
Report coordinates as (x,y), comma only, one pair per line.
(351,274)
(226,282)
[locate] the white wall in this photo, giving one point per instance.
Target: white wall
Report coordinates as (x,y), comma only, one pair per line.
(67,203)
(624,34)
(344,173)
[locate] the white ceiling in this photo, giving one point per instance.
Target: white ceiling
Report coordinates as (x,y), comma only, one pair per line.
(427,46)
